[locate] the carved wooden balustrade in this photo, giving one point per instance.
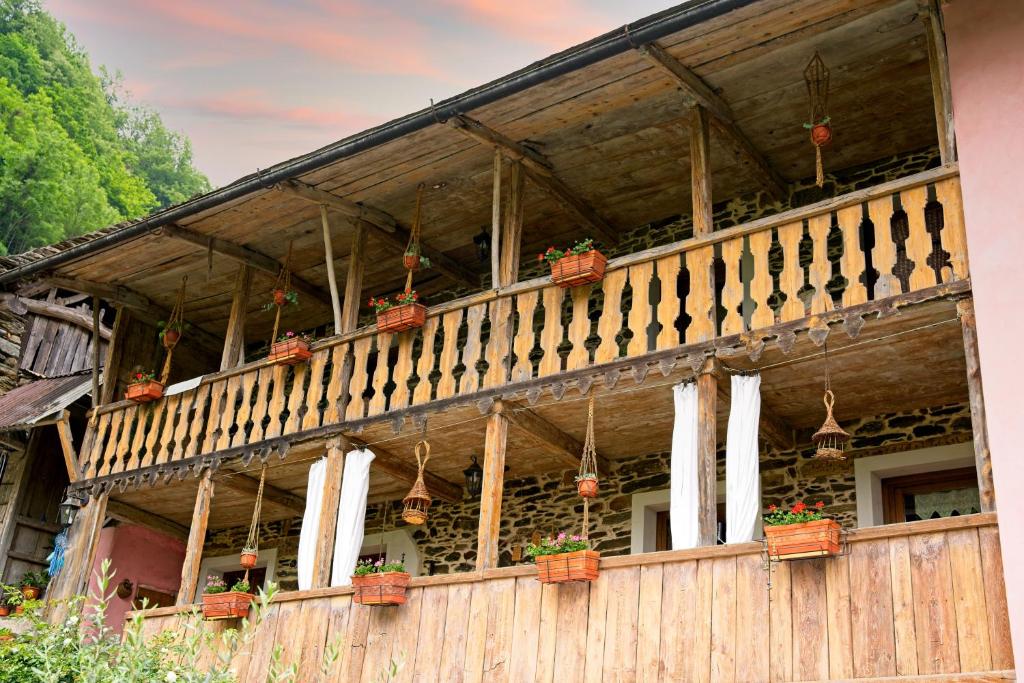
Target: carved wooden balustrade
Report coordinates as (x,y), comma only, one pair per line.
(904,236)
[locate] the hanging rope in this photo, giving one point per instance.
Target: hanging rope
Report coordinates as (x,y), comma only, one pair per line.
(588,468)
(816,78)
(282,284)
(413,247)
(253,539)
(174,325)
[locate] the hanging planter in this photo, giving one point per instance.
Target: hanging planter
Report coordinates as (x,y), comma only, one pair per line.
(831,438)
(404,313)
(170,333)
(816,78)
(247,558)
(586,479)
(800,532)
(144,388)
(579,265)
(290,349)
(379,583)
(417,502)
(586,485)
(564,558)
(413,259)
(220,603)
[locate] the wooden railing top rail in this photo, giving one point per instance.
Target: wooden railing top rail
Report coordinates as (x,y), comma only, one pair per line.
(755,226)
(874,533)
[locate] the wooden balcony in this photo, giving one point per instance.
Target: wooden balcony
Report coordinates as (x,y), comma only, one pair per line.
(902,241)
(918,599)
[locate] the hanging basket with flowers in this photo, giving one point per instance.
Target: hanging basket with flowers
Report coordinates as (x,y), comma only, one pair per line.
(800,532)
(404,313)
(144,388)
(379,583)
(580,264)
(564,558)
(290,349)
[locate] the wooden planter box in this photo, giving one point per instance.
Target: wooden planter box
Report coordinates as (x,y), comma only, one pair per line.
(229,605)
(401,318)
(580,565)
(291,352)
(144,392)
(807,539)
(578,269)
(387,588)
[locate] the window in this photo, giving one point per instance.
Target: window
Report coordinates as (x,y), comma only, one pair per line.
(945,493)
(152,598)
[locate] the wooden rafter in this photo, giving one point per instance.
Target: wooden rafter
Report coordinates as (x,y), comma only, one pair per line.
(129,513)
(404,471)
(699,93)
(243,254)
(564,446)
(21,305)
(243,483)
(538,169)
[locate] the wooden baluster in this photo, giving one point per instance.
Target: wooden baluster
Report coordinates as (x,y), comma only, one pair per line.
(640,308)
(402,371)
(552,332)
(380,374)
(356,402)
(296,398)
(229,412)
(123,450)
(579,328)
(821,268)
(449,353)
(883,254)
(261,403)
(499,343)
(852,263)
(610,322)
(470,381)
(526,305)
(218,399)
(315,392)
(163,414)
(197,423)
(170,425)
(147,419)
(92,443)
(116,421)
(425,365)
(792,278)
(732,291)
(919,241)
(336,385)
(249,380)
(181,428)
(668,308)
(275,408)
(953,236)
(700,303)
(761,284)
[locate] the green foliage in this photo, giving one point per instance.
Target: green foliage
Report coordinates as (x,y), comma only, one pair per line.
(562,543)
(795,515)
(241,586)
(35,579)
(75,155)
(12,595)
(364,567)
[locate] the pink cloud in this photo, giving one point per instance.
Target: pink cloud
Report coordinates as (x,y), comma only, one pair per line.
(555,24)
(252,105)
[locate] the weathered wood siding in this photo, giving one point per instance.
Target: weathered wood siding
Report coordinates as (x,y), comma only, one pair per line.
(911,599)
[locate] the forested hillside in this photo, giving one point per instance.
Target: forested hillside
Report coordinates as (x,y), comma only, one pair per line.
(75,154)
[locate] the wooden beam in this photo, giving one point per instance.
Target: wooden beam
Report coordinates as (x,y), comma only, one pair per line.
(488,534)
(772,429)
(22,305)
(115,352)
(375,217)
(67,446)
(354,279)
(332,279)
(699,93)
(976,397)
(512,239)
(243,254)
(243,483)
(707,450)
(196,539)
(233,353)
(700,173)
(403,470)
(942,93)
(539,171)
(130,514)
(328,514)
(562,445)
(496,242)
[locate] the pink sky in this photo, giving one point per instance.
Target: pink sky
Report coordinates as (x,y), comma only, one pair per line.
(255,82)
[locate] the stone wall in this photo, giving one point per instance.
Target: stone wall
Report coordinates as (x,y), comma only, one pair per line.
(548,503)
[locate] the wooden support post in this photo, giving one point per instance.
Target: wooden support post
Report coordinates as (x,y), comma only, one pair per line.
(490,495)
(707,474)
(513,233)
(115,351)
(67,446)
(942,94)
(96,347)
(700,172)
(496,221)
(982,456)
(196,539)
(329,513)
(78,556)
(331,278)
(234,339)
(354,279)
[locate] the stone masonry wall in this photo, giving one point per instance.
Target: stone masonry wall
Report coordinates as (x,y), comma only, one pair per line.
(548,503)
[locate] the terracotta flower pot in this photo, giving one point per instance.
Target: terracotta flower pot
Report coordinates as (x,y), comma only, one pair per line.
(290,352)
(578,269)
(171,338)
(411,261)
(144,392)
(280,297)
(5,610)
(580,565)
(587,487)
(20,609)
(30,592)
(819,538)
(382,588)
(229,605)
(6,637)
(247,560)
(402,317)
(821,134)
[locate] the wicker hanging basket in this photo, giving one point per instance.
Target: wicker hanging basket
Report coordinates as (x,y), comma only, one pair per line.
(831,438)
(417,502)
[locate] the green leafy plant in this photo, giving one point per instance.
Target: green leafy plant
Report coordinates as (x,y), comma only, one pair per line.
(581,247)
(290,335)
(12,595)
(178,326)
(824,122)
(38,579)
(795,515)
(414,250)
(214,585)
(365,567)
(289,298)
(248,549)
(586,475)
(142,376)
(382,303)
(555,545)
(241,586)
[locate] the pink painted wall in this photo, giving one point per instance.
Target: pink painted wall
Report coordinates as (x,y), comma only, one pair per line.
(985,39)
(142,555)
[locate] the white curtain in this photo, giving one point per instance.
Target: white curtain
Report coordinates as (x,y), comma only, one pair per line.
(742,479)
(684,499)
(311,523)
(351,515)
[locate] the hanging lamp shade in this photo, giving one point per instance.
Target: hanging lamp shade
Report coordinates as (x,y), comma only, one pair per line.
(417,501)
(830,439)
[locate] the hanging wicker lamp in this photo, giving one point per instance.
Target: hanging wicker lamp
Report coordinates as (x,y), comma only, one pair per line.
(417,501)
(831,438)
